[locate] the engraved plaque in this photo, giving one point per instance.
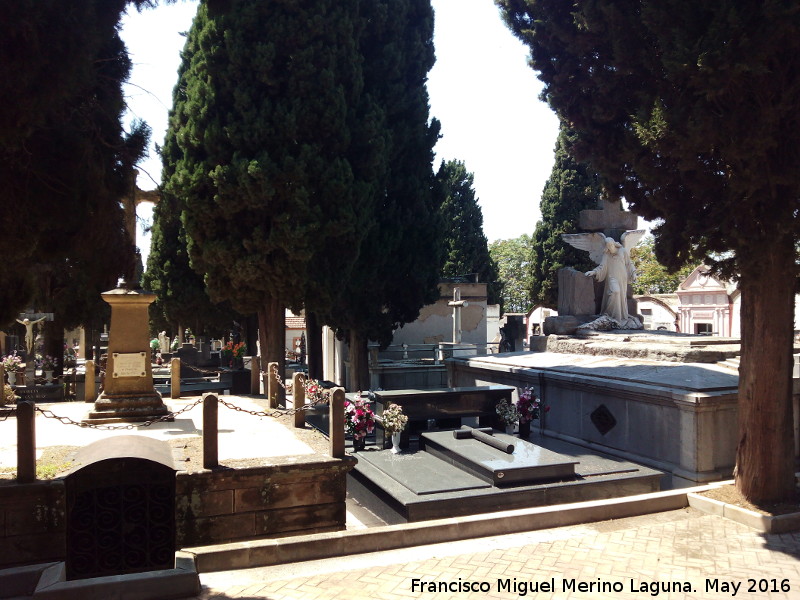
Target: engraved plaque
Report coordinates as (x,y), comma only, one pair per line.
(130,365)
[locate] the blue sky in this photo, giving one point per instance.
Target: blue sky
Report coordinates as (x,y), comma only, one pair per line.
(481,89)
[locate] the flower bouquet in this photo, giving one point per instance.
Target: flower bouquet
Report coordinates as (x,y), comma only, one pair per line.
(49,363)
(394,421)
(508,414)
(233,354)
(529,406)
(315,393)
(359,420)
(11,363)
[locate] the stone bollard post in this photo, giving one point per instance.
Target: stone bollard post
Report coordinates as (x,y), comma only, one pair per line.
(255,375)
(89,390)
(175,378)
(299,399)
(26,442)
(272,384)
(210,431)
(336,423)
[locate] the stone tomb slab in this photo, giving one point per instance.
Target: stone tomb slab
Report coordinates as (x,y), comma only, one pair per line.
(528,463)
(422,473)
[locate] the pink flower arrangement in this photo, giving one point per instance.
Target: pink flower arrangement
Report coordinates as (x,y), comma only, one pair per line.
(529,406)
(359,420)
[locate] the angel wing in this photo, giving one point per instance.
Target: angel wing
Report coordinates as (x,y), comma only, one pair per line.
(631,237)
(593,243)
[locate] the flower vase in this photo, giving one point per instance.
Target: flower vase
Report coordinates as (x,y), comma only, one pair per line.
(12,378)
(510,428)
(48,375)
(396,443)
(525,430)
(359,443)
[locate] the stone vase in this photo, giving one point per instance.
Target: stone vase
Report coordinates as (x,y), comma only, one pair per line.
(48,375)
(12,378)
(525,430)
(396,443)
(510,428)
(359,443)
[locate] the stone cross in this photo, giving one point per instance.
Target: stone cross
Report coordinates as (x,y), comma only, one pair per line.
(457,303)
(609,218)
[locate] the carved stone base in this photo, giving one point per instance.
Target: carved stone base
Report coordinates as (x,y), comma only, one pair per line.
(124,408)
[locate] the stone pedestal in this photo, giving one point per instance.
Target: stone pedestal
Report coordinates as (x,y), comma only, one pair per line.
(128,394)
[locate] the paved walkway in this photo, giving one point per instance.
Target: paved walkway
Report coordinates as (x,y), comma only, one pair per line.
(695,555)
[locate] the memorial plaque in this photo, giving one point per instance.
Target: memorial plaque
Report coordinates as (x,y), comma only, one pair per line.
(130,365)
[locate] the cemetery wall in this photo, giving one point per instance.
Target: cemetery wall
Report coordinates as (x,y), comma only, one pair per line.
(32,522)
(212,507)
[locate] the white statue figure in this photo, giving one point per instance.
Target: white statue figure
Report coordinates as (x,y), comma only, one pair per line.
(614,266)
(29,333)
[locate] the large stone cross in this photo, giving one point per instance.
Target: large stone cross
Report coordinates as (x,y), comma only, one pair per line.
(609,218)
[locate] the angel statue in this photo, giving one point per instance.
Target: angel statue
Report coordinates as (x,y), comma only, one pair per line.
(614,266)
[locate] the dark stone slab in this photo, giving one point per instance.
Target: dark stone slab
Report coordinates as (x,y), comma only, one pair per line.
(528,463)
(423,473)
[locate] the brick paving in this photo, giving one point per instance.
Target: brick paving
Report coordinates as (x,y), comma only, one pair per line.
(705,556)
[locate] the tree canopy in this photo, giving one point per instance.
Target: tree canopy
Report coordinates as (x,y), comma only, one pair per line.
(513,259)
(65,158)
(398,268)
(689,111)
(571,188)
(466,248)
(651,276)
(272,125)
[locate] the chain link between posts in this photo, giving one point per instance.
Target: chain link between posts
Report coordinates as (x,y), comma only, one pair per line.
(278,413)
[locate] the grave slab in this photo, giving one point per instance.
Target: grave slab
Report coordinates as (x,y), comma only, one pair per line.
(528,463)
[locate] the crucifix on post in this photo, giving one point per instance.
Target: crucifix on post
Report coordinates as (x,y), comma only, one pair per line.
(457,303)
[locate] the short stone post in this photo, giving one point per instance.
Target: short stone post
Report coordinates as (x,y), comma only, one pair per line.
(336,423)
(89,391)
(210,431)
(255,375)
(272,384)
(299,399)
(26,442)
(175,378)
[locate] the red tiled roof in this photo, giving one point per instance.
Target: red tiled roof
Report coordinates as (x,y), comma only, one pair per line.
(295,322)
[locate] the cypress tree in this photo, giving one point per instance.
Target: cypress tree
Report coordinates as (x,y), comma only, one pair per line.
(398,268)
(65,159)
(264,121)
(466,248)
(689,111)
(570,189)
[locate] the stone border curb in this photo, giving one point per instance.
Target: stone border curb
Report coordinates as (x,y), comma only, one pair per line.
(755,520)
(274,551)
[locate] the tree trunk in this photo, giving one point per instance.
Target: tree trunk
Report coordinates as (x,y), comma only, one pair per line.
(272,335)
(314,346)
(251,334)
(54,342)
(358,375)
(765,453)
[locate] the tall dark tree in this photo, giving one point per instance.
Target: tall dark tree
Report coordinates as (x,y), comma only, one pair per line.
(689,111)
(398,268)
(571,188)
(182,299)
(65,158)
(466,249)
(267,116)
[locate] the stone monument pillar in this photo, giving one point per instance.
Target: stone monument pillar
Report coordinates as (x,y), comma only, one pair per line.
(457,304)
(128,394)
